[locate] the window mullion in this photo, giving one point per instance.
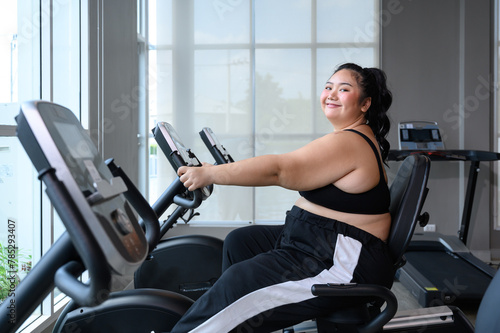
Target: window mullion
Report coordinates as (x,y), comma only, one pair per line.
(46,50)
(314,65)
(252,87)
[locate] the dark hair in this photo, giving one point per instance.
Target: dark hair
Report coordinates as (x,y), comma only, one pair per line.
(372,82)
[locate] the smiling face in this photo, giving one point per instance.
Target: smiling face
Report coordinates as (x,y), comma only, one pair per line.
(340,100)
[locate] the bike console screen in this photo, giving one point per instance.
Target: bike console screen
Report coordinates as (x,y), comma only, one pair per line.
(219,153)
(54,139)
(176,152)
(170,143)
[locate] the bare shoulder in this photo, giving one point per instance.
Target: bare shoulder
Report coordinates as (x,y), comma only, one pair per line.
(344,149)
(357,138)
(350,141)
(355,147)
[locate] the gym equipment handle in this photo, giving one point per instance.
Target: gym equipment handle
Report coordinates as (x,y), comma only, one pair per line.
(186,202)
(136,199)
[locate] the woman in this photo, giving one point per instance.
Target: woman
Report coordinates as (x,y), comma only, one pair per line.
(335,232)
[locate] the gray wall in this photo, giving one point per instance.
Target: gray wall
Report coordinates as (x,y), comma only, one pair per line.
(437,56)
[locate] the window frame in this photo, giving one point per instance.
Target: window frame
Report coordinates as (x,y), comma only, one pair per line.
(44,231)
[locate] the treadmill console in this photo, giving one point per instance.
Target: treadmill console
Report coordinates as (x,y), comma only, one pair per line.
(217,150)
(54,139)
(419,135)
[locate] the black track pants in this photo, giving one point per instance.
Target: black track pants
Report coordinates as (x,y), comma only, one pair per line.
(272,289)
(247,242)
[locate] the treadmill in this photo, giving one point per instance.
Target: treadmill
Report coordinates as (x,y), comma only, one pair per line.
(440,269)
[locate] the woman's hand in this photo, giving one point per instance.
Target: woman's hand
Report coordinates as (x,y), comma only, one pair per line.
(195,177)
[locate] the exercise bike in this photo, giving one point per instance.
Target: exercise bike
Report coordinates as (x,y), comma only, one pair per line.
(94,201)
(192,263)
(189,264)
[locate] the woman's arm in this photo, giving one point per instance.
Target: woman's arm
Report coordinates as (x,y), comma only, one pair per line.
(323,161)
(257,171)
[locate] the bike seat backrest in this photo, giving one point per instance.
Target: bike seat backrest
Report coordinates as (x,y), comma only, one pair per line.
(408,192)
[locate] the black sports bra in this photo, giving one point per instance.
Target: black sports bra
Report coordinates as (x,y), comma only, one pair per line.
(373,201)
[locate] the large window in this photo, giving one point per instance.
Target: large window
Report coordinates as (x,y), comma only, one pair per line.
(20,198)
(39,59)
(252,70)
